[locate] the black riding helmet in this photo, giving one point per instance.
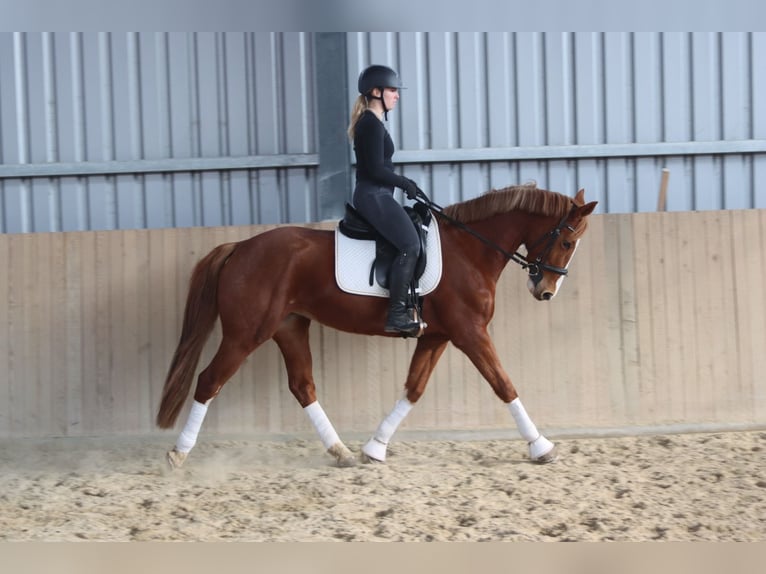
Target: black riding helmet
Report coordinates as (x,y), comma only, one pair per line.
(381,77)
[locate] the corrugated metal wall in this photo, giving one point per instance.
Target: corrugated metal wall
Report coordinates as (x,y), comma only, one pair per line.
(112,131)
(155,130)
(603,111)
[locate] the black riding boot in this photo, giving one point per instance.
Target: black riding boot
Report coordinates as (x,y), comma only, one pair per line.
(399,318)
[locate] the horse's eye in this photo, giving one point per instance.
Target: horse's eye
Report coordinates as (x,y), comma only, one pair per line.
(566,244)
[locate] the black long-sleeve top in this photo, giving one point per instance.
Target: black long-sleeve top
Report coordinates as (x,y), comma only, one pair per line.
(374,149)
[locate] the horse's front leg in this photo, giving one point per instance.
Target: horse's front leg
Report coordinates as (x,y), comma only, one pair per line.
(427,353)
(292,337)
(478,346)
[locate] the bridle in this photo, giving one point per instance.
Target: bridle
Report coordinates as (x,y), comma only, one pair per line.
(539,265)
(534,268)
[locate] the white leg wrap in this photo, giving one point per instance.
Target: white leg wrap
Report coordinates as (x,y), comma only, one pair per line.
(538,444)
(188,437)
(322,424)
(376,446)
(525,425)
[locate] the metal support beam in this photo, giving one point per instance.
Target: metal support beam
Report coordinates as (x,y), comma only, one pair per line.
(169,165)
(331,80)
(586,151)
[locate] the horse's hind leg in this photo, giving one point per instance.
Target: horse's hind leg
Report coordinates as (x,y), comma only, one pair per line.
(292,337)
(225,363)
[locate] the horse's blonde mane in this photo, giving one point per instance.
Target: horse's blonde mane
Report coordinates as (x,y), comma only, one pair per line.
(526,197)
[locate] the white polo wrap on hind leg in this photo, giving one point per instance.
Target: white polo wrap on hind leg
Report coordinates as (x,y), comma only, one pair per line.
(377,445)
(188,437)
(389,424)
(538,444)
(322,424)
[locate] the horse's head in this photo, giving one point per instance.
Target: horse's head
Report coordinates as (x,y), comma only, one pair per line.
(551,252)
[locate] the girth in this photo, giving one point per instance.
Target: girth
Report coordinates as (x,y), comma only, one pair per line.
(355,226)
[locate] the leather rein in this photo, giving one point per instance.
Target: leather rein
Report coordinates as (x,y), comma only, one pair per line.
(534,268)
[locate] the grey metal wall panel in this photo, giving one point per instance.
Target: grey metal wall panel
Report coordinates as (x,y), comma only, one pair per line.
(69,98)
(161,119)
(520,92)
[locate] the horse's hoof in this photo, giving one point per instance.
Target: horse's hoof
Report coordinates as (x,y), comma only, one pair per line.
(542,450)
(367,459)
(176,459)
(375,451)
(342,455)
(548,457)
(346,462)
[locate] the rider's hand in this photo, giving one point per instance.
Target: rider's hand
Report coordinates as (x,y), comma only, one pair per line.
(410,188)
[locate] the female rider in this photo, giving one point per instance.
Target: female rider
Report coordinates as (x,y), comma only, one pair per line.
(375,182)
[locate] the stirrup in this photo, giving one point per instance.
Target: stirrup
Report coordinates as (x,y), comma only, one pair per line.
(413,328)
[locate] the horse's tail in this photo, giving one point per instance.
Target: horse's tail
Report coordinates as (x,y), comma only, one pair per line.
(200,315)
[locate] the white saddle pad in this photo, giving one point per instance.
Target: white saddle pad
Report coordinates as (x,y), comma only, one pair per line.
(354,259)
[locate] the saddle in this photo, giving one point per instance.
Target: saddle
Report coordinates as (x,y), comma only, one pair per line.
(355,226)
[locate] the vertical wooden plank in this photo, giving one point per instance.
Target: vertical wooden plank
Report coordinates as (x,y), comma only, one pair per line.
(589,276)
(125,368)
(759,326)
(163,311)
(658,270)
(675,290)
(628,319)
(556,351)
(5,336)
(367,372)
(11,329)
(75,330)
(57,334)
(88,335)
(646,269)
(723,361)
(41,346)
(707,310)
(749,309)
(603,281)
(351,356)
(121,356)
(101,401)
(29,384)
(25,400)
(730,376)
(141,297)
(618,392)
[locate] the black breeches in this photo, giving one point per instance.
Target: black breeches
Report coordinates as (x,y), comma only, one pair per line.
(378,206)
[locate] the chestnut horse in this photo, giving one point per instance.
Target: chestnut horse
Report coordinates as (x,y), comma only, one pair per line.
(274,284)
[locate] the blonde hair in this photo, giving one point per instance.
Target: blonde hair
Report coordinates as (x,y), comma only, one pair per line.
(359,106)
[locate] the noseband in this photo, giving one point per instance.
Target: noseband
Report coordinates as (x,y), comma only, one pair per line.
(537,267)
(534,268)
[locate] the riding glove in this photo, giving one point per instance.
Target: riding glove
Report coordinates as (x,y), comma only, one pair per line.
(410,188)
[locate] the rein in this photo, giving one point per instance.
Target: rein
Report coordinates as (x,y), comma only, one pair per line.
(534,268)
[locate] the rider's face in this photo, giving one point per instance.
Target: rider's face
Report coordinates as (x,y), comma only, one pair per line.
(390,97)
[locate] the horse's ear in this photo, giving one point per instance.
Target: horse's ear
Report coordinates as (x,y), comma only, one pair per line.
(587,209)
(579,197)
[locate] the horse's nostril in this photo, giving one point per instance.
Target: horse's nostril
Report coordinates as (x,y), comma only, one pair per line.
(547,295)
